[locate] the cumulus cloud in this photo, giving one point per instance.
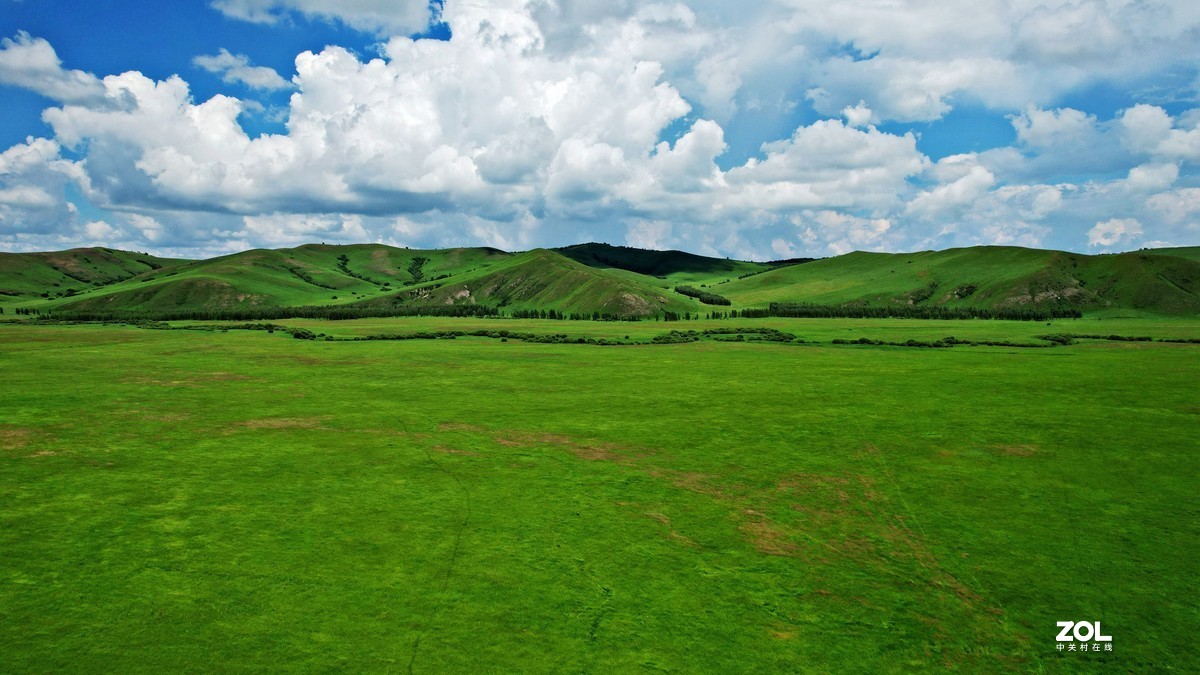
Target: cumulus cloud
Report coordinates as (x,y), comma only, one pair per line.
(1178,206)
(33,64)
(33,180)
(828,164)
(234,68)
(857,116)
(1150,130)
(391,17)
(962,191)
(550,122)
(1114,231)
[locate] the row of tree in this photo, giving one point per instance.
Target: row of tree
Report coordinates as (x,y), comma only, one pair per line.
(783,309)
(336,313)
(374,310)
(702,295)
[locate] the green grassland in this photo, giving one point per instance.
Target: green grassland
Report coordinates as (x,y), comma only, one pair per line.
(81,270)
(984,276)
(203,500)
(314,274)
(674,267)
(544,280)
(589,279)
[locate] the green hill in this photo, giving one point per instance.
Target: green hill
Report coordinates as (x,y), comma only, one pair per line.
(597,278)
(544,279)
(983,276)
(28,276)
(672,266)
(1189,252)
(314,274)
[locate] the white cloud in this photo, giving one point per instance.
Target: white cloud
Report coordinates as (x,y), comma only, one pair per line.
(784,249)
(33,64)
(858,115)
(1114,231)
(1067,127)
(33,180)
(1149,130)
(1151,177)
(651,234)
(391,17)
(284,229)
(1177,206)
(236,68)
(550,121)
(828,164)
(842,232)
(952,196)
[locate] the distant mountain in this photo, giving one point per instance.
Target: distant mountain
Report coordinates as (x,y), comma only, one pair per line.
(596,278)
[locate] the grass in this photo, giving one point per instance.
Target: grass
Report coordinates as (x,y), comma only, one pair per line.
(80,270)
(314,274)
(984,276)
(247,501)
(588,278)
(542,279)
(671,267)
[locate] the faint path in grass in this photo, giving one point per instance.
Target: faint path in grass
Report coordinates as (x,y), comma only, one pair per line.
(978,588)
(454,552)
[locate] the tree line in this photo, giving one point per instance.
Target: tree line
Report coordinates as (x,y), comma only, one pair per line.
(703,296)
(798,310)
(334,313)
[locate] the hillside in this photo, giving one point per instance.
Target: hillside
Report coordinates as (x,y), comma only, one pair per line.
(68,273)
(314,274)
(1189,252)
(543,279)
(596,278)
(671,266)
(984,276)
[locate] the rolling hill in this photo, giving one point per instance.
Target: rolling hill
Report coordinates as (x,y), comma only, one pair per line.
(589,279)
(314,274)
(542,279)
(68,273)
(982,277)
(672,266)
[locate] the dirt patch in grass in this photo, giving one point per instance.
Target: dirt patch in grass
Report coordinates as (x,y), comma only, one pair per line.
(767,537)
(14,438)
(459,426)
(446,450)
(192,381)
(157,382)
(282,423)
(582,448)
(672,533)
(1021,450)
(169,418)
(783,634)
(224,377)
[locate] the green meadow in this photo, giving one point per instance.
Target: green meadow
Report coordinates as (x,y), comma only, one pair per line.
(229,500)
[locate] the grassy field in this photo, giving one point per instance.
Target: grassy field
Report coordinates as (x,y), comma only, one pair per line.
(205,500)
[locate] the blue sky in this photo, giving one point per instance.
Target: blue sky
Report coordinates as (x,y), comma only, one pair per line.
(777,129)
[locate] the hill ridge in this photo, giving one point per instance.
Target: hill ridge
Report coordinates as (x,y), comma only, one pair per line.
(597,278)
